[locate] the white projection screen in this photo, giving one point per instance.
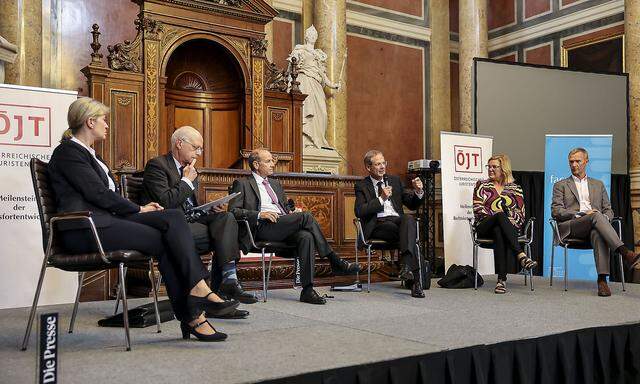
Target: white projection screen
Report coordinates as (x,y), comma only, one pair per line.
(518,104)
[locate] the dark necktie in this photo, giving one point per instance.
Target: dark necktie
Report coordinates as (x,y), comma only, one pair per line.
(379,188)
(189,203)
(272,194)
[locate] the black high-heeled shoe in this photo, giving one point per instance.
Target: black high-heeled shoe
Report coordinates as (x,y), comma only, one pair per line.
(188,330)
(199,304)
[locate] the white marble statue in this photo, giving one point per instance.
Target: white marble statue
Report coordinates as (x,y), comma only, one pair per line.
(312,77)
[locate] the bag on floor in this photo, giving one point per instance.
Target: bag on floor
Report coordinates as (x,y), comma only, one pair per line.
(460,276)
(141,317)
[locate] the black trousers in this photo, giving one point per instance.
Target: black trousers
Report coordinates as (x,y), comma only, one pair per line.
(401,230)
(301,229)
(217,232)
(505,240)
(162,234)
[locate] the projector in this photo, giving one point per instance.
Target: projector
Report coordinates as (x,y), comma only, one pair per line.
(423,165)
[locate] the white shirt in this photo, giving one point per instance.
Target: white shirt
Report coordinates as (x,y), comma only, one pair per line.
(386,204)
(266,204)
(185,179)
(583,193)
(112,185)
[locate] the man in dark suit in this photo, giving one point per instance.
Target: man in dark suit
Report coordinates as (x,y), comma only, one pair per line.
(172,181)
(263,204)
(379,201)
(581,206)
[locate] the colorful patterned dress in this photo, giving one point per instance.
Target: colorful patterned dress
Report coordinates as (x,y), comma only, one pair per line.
(487,201)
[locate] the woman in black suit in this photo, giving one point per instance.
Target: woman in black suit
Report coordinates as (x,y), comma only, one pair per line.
(83,182)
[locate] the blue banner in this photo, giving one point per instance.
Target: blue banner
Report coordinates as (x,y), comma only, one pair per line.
(581,263)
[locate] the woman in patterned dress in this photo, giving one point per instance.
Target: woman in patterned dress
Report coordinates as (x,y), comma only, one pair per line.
(498,207)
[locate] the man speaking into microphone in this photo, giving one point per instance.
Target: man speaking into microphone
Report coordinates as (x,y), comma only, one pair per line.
(379,201)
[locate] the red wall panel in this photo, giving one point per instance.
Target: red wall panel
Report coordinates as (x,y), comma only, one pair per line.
(385,102)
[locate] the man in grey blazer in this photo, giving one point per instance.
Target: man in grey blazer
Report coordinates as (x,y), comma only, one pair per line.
(581,206)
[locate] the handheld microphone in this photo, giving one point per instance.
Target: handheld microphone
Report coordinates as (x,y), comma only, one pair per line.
(291,205)
(505,208)
(385,179)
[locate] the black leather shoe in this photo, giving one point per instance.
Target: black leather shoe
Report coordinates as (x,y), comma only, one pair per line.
(188,330)
(405,274)
(309,295)
(197,305)
(416,290)
(234,290)
(341,267)
(238,314)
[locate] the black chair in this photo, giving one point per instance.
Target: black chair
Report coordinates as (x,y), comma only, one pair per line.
(487,243)
(131,188)
(264,247)
(570,243)
(380,245)
(56,257)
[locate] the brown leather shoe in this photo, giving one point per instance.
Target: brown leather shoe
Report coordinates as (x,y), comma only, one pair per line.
(603,289)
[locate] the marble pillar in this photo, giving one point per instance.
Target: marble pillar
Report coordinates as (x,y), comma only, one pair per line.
(8,54)
(307,16)
(330,19)
(440,75)
(22,25)
(473,43)
(268,35)
(632,67)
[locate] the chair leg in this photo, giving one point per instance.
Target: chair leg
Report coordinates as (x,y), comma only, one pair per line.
(475,267)
(34,306)
(531,270)
(621,272)
(566,272)
(419,265)
(152,280)
(125,306)
(119,294)
(553,248)
(368,269)
(358,270)
(269,269)
(75,304)
(264,279)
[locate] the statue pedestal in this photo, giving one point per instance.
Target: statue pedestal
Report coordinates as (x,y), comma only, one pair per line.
(316,160)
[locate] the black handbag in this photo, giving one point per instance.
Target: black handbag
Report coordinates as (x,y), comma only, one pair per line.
(460,276)
(141,317)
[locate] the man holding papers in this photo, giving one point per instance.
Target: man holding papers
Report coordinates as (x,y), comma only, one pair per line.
(172,181)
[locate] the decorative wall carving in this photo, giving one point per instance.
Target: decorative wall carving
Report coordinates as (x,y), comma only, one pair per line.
(190,81)
(259,47)
(241,45)
(258,98)
(320,206)
(151,27)
(151,90)
(276,79)
(126,56)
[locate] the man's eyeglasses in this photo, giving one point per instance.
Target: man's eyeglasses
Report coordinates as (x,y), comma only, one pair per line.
(197,149)
(384,163)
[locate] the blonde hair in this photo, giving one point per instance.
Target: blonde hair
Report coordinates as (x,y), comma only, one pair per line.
(505,165)
(80,111)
